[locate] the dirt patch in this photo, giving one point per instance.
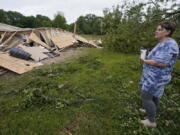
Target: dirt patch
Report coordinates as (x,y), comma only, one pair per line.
(66,54)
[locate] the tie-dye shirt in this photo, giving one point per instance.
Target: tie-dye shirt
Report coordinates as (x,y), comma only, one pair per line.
(155,78)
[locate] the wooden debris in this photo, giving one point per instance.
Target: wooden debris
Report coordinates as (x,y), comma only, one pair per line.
(2,36)
(37,53)
(9,38)
(30,40)
(35,38)
(81,39)
(16,65)
(63,40)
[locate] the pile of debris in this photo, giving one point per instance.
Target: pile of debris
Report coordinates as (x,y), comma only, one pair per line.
(22,49)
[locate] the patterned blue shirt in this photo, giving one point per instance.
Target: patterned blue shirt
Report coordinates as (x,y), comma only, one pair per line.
(155,78)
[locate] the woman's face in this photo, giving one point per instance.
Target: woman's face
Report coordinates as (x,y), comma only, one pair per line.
(161,33)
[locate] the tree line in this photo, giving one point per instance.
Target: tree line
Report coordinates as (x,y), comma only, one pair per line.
(89,24)
(125,28)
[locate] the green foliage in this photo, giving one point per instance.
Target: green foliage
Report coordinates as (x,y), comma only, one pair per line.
(59,21)
(91,62)
(3,16)
(89,24)
(14,18)
(43,21)
(93,95)
(17,19)
(28,22)
(131,26)
(92,37)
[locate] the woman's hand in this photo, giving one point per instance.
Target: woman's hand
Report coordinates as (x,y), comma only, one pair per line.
(142,60)
(153,63)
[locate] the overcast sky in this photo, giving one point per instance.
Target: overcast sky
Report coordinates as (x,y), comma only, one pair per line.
(72,9)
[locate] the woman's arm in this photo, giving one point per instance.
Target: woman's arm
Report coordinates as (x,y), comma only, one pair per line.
(153,63)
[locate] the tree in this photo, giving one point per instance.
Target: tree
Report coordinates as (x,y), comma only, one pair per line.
(80,25)
(43,21)
(3,18)
(129,29)
(28,22)
(14,18)
(19,20)
(59,21)
(89,24)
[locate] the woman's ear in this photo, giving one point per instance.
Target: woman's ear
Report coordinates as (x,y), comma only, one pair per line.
(168,33)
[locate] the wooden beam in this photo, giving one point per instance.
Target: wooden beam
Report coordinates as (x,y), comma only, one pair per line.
(36,39)
(74,30)
(12,35)
(2,36)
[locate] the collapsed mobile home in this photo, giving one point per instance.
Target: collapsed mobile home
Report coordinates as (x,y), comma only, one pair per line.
(22,49)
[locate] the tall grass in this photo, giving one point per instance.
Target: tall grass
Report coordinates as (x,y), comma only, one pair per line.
(96,94)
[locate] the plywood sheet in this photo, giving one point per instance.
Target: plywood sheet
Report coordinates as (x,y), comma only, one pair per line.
(63,40)
(48,34)
(16,65)
(45,37)
(79,38)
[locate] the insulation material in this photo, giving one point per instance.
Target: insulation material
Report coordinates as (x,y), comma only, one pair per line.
(37,53)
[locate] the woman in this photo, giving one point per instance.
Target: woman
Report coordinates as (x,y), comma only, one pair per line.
(157,70)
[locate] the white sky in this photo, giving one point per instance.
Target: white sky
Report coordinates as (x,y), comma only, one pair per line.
(72,9)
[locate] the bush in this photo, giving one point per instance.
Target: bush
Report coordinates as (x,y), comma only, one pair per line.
(129,29)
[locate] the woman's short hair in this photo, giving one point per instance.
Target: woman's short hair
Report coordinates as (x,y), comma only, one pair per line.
(170,26)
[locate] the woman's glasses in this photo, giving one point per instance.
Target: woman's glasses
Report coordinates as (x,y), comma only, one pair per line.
(160,29)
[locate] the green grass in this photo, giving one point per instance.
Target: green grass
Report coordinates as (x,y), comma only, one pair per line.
(96,94)
(92,37)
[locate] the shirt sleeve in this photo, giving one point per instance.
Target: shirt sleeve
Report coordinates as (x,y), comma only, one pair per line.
(165,54)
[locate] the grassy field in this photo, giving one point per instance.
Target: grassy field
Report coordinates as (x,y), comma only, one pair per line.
(96,94)
(92,37)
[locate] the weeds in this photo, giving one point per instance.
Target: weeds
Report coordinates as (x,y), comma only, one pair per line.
(93,95)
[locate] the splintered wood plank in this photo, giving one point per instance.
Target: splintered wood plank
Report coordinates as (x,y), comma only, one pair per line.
(16,65)
(12,35)
(36,39)
(79,38)
(45,37)
(2,36)
(14,42)
(63,40)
